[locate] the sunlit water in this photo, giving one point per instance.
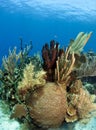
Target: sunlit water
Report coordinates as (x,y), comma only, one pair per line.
(58,8)
(44,20)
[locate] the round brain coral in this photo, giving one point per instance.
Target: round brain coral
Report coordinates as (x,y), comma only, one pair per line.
(47,105)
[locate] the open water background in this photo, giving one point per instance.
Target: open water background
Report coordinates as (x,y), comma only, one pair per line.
(44,20)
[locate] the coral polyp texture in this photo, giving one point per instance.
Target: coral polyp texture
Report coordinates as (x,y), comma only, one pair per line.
(47,92)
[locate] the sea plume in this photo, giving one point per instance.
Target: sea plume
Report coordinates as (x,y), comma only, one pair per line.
(31,79)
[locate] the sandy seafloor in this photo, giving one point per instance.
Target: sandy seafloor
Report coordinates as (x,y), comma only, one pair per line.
(11,124)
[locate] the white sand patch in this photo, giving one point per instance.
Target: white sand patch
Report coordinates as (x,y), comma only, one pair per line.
(5,122)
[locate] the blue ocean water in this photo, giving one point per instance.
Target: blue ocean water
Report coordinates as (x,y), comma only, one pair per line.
(42,21)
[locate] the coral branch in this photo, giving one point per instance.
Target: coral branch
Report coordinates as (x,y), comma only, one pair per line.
(31,79)
(62,72)
(80,41)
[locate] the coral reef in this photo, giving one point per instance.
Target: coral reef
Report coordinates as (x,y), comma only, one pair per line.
(11,73)
(31,80)
(49,93)
(82,103)
(87,72)
(89,66)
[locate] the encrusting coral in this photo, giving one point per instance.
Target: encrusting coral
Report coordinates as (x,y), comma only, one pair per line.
(50,94)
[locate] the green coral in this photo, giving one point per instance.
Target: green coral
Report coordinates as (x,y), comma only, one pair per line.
(77,45)
(11,73)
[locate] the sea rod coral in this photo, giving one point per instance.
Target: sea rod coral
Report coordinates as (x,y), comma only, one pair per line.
(52,94)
